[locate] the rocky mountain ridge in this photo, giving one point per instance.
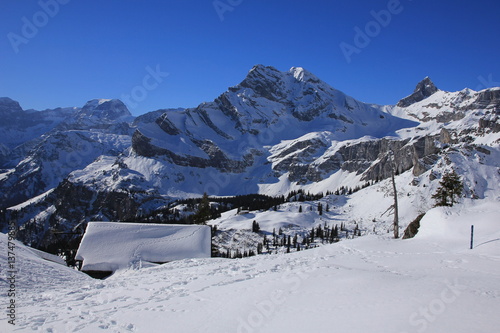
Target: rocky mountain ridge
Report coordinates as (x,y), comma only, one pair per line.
(272,133)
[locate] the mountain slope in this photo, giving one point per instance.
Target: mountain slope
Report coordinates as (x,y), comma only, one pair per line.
(99,128)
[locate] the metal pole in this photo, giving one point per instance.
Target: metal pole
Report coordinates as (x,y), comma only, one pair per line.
(471,237)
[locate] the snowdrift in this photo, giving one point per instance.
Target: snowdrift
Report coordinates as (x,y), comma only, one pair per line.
(451,227)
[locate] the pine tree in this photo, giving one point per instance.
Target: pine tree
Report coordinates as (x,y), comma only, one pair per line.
(449,191)
(203,213)
(255,226)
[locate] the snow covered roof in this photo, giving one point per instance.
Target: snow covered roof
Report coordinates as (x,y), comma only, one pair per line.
(110,246)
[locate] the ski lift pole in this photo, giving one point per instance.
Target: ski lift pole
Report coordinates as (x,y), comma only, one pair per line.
(471,237)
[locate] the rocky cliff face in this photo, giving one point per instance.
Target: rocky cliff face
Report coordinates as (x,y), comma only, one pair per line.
(370,159)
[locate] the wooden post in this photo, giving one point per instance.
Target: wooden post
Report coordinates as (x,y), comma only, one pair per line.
(471,237)
(396,214)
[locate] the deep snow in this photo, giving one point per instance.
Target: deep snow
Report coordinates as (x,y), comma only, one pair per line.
(111,246)
(432,283)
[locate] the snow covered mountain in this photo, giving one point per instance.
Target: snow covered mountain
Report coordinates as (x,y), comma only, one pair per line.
(69,139)
(272,133)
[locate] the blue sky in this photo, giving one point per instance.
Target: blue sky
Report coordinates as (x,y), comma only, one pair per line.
(80,50)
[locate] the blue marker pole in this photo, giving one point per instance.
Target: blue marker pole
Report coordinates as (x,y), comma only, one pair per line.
(471,237)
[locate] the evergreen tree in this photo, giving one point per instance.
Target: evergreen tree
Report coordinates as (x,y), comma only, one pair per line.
(203,213)
(255,226)
(449,191)
(259,248)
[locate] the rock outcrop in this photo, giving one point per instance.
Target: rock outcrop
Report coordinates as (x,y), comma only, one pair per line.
(424,89)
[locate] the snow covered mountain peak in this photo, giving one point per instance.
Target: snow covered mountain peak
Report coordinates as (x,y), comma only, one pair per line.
(424,89)
(108,109)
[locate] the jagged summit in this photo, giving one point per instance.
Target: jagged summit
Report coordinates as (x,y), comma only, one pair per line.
(267,96)
(262,68)
(424,89)
(271,74)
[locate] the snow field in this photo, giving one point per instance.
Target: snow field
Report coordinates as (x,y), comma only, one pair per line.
(431,283)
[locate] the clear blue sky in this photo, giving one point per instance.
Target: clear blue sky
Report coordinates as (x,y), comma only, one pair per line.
(106,49)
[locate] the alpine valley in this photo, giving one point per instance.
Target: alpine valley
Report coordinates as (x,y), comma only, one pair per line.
(273,134)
